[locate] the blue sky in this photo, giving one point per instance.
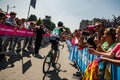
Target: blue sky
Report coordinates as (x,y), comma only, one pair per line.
(71,12)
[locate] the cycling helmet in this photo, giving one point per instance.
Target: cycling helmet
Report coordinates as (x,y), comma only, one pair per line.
(60,24)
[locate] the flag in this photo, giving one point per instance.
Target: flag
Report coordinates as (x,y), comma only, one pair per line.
(33,3)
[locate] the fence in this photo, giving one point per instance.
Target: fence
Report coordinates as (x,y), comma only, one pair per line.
(83,58)
(13,31)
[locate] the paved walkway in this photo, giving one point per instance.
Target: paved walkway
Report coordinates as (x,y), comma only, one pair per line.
(29,67)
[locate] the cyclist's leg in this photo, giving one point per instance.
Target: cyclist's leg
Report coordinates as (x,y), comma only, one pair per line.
(55,45)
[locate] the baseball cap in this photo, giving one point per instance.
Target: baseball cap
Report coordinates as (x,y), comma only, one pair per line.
(91,27)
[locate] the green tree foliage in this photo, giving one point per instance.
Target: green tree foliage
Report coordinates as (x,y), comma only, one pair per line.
(47,22)
(52,26)
(67,30)
(39,21)
(32,18)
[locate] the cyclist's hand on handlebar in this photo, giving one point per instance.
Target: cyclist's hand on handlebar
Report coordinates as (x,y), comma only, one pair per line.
(62,46)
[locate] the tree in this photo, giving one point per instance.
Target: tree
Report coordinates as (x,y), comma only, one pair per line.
(32,18)
(39,21)
(67,30)
(52,26)
(48,24)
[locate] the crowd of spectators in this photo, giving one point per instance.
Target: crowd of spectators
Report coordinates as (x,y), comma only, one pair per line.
(102,41)
(15,44)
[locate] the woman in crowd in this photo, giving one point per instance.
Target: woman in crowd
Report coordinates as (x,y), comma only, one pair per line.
(114,53)
(108,40)
(107,43)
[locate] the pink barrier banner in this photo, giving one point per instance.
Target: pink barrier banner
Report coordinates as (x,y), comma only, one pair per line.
(2,30)
(12,31)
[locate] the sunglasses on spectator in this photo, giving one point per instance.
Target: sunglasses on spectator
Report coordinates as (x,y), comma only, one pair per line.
(97,26)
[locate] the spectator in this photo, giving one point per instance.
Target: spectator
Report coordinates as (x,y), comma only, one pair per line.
(91,37)
(113,61)
(11,21)
(107,42)
(2,18)
(114,53)
(99,28)
(29,40)
(39,32)
(2,21)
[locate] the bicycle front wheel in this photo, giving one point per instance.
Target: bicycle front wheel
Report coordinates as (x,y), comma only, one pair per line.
(57,57)
(47,62)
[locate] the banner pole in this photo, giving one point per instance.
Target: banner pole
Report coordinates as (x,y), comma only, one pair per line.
(28,12)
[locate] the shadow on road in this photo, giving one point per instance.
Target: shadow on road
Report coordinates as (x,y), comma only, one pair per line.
(26,66)
(9,61)
(39,56)
(54,74)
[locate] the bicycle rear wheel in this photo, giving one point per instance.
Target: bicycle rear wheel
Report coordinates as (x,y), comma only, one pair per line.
(47,62)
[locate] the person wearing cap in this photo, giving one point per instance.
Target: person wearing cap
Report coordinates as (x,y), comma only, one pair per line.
(91,37)
(11,21)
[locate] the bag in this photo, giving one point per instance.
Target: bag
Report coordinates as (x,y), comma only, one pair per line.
(91,72)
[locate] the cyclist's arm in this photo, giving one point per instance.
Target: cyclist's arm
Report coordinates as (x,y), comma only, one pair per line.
(62,35)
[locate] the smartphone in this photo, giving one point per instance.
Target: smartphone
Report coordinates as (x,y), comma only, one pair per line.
(96,35)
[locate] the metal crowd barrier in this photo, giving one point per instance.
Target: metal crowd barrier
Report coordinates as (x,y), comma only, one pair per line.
(83,58)
(13,31)
(16,34)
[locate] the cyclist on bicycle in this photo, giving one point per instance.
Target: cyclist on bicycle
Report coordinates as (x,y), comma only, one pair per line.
(56,36)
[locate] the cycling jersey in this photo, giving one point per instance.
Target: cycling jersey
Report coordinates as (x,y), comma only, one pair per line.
(57,31)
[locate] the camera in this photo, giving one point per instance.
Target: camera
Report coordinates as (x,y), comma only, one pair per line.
(85,33)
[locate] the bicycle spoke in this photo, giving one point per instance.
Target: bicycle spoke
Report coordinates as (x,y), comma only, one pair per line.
(47,63)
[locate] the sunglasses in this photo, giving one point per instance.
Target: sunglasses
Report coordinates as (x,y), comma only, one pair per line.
(97,26)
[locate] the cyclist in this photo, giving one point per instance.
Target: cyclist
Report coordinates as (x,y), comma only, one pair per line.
(56,36)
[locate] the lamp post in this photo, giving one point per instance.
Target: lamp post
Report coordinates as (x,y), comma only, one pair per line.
(8,7)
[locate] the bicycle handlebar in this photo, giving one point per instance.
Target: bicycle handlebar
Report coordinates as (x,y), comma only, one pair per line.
(62,46)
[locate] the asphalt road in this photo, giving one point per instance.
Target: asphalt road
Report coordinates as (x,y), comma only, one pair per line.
(27,67)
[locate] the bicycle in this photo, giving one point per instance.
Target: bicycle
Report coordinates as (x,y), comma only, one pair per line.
(49,58)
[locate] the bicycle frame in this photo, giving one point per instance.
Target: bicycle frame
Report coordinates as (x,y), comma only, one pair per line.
(49,59)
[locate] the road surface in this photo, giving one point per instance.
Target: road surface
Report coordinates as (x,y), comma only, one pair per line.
(27,67)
